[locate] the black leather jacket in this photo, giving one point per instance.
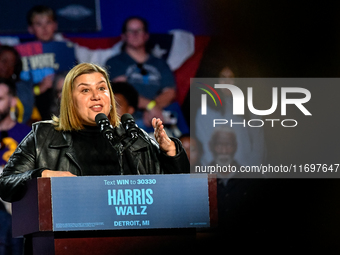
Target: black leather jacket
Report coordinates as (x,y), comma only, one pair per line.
(45,148)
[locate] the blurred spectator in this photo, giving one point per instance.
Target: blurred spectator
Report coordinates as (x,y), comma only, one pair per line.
(223,146)
(126,97)
(10,68)
(236,192)
(11,132)
(42,23)
(58,83)
(150,76)
(127,102)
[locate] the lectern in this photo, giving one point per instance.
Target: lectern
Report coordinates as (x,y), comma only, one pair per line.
(114,214)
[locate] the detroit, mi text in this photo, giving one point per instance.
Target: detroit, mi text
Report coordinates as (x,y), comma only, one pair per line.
(131,223)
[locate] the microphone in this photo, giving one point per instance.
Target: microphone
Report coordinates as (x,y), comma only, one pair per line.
(105,126)
(107,130)
(131,128)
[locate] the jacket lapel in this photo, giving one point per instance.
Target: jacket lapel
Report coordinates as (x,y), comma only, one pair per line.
(63,141)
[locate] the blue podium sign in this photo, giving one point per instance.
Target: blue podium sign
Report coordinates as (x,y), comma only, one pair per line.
(129,202)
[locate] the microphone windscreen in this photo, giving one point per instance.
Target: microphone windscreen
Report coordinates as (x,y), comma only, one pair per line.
(99,117)
(126,117)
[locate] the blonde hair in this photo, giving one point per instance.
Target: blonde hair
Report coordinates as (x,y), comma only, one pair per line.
(69,119)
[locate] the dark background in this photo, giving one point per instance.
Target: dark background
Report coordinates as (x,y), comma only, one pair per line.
(284,39)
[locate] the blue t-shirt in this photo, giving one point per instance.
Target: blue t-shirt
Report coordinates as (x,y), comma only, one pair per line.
(10,140)
(149,78)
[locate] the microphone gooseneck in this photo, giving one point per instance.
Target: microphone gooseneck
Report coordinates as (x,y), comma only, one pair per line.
(117,139)
(108,132)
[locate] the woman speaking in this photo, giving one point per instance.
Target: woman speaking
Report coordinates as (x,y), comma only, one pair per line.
(73,145)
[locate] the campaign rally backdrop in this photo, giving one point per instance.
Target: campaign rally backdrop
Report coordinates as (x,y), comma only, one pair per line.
(182,50)
(42,59)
